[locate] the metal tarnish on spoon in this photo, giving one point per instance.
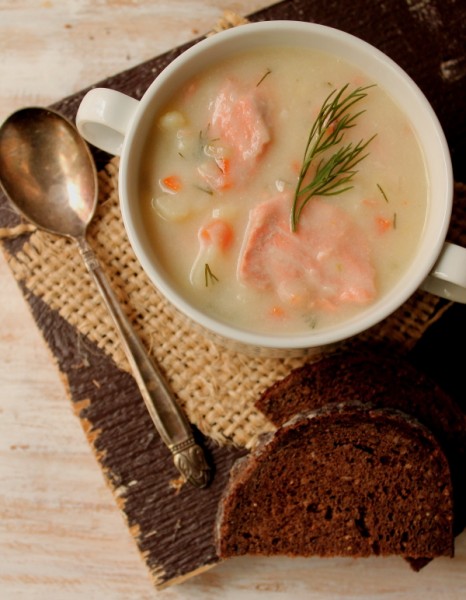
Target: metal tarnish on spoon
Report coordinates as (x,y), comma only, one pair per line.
(49,176)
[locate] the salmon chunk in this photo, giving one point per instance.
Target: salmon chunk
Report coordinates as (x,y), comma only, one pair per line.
(238,128)
(325,264)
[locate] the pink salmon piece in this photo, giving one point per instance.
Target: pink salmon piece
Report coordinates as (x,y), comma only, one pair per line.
(238,121)
(324,264)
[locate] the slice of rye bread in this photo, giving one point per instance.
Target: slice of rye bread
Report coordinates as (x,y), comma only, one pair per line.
(377,377)
(345,480)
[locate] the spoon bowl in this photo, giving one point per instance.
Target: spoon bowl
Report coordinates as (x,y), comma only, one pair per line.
(49,176)
(47,171)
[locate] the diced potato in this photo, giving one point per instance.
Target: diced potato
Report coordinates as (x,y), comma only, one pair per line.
(180,206)
(202,276)
(211,174)
(214,151)
(172,207)
(172,120)
(186,142)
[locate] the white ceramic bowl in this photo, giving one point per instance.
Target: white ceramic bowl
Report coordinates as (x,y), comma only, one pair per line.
(118,124)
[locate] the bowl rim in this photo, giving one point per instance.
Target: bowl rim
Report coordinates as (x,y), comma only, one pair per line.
(420,266)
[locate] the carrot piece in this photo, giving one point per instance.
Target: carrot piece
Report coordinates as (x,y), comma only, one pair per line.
(172,182)
(369,202)
(277,312)
(218,233)
(331,127)
(224,165)
(383,224)
(296,166)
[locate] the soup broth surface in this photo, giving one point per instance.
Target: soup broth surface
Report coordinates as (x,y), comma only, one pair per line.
(218,177)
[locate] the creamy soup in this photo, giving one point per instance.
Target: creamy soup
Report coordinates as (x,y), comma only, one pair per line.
(218,186)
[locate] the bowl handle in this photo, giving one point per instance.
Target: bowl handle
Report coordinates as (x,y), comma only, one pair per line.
(104,117)
(448,276)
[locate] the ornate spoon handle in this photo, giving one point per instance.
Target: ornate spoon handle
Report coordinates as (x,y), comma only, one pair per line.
(168,418)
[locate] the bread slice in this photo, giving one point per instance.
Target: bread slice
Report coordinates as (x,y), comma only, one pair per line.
(346,480)
(384,380)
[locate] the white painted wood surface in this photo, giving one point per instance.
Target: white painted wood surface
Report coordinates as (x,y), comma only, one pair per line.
(61,534)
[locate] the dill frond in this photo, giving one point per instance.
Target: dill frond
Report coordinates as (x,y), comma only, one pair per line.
(334,174)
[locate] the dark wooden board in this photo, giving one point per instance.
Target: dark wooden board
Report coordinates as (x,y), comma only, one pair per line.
(174,528)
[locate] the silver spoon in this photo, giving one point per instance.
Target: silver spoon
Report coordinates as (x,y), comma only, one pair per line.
(49,176)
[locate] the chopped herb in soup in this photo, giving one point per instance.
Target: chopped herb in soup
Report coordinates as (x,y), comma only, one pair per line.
(283,190)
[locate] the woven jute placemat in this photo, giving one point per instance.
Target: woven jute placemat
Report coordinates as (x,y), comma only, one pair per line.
(216,387)
(173,524)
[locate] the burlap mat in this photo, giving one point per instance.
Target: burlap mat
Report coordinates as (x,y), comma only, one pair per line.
(216,387)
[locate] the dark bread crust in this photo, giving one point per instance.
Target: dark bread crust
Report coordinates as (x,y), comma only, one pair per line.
(379,378)
(345,480)
(374,376)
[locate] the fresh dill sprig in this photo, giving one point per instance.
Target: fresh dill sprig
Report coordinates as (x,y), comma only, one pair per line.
(209,276)
(334,174)
(205,189)
(311,320)
(266,74)
(383,193)
(205,140)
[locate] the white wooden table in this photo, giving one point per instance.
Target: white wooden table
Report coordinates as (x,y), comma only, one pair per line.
(61,534)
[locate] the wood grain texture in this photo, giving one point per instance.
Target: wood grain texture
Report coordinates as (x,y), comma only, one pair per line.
(55,510)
